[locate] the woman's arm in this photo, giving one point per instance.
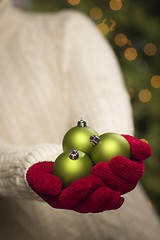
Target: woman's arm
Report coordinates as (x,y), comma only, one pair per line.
(14,163)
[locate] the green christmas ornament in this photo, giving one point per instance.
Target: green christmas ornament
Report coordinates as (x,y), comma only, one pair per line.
(107,146)
(79,138)
(72,165)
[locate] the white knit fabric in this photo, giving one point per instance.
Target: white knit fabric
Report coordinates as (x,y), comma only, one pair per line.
(15,161)
(55,69)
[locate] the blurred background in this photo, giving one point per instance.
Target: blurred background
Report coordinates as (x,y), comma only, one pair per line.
(133,30)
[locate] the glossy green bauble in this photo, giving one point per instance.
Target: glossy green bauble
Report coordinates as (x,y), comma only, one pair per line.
(110,145)
(79,138)
(68,170)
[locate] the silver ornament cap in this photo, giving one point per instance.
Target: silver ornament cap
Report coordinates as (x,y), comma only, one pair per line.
(81,123)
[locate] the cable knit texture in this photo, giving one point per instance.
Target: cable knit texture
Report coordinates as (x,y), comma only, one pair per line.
(15,163)
(49,84)
(54,69)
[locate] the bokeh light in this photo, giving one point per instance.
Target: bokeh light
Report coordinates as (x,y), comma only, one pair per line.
(145,95)
(74,2)
(113,25)
(121,39)
(131,92)
(115,4)
(144,140)
(130,53)
(150,49)
(96,13)
(103,27)
(155,81)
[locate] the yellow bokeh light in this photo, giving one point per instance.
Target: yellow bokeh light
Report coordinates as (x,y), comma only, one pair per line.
(130,53)
(129,42)
(131,92)
(103,27)
(144,140)
(113,25)
(145,95)
(96,13)
(115,4)
(74,2)
(121,39)
(150,49)
(155,81)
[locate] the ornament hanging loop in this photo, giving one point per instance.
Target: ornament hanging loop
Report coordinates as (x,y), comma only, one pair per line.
(74,154)
(94,139)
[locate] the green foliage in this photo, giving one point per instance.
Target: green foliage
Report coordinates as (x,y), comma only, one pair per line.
(139,20)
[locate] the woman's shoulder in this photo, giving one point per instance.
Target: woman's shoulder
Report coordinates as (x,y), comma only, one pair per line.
(55,22)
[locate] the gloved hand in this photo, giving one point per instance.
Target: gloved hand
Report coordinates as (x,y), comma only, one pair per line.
(85,195)
(99,191)
(123,174)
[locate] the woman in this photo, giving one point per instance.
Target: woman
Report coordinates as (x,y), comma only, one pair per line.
(55,68)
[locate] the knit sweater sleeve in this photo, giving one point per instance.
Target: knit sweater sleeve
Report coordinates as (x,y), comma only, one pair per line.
(97,92)
(14,163)
(94,90)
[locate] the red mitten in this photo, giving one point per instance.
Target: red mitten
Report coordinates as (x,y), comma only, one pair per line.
(123,174)
(85,195)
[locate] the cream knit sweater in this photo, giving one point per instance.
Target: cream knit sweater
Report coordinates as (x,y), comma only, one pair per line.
(55,69)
